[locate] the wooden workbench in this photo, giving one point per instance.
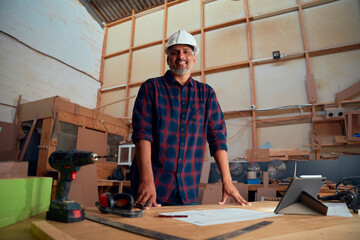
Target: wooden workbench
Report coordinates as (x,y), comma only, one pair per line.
(283,227)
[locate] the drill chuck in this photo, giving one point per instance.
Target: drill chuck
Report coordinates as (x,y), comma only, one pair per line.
(73,158)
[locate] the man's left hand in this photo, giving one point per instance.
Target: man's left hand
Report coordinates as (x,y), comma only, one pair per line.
(230,190)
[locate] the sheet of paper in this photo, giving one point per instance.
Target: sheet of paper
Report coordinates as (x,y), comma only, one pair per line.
(219,216)
(338,209)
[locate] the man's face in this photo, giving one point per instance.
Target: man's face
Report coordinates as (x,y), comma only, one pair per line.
(181,59)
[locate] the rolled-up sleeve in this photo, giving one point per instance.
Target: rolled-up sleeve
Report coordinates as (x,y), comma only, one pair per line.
(216,130)
(142,118)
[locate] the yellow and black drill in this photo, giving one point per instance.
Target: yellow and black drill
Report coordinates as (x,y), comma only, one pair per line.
(67,162)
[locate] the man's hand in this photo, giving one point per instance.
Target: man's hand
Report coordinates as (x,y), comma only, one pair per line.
(230,190)
(147,195)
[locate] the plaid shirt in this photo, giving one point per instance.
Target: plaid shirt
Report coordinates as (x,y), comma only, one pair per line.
(177,120)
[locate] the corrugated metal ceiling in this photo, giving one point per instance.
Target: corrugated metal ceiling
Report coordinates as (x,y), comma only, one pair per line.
(112,10)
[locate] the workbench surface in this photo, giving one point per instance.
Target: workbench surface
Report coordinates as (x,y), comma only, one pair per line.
(283,227)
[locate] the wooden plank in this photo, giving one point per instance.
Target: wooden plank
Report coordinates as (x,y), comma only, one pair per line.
(297,227)
(311,88)
(303,32)
(258,155)
(46,231)
(115,54)
(227,67)
(226,24)
(90,123)
(105,169)
(146,45)
(13,169)
(165,24)
(102,67)
(23,150)
(275,13)
(42,108)
(348,92)
(203,45)
(128,80)
(45,147)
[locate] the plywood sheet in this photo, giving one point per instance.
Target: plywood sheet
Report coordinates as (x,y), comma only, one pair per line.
(115,70)
(280,84)
(12,169)
(117,109)
(149,28)
(288,136)
(146,63)
(184,16)
(118,38)
(232,89)
(239,137)
(226,45)
(223,11)
(332,77)
(84,189)
(258,7)
(7,136)
(279,33)
(133,91)
(332,24)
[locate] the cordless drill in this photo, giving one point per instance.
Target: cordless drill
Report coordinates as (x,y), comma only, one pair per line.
(67,162)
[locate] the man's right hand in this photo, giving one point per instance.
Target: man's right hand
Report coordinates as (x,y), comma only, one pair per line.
(146,195)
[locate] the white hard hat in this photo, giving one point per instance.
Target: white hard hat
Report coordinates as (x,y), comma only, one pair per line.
(181,37)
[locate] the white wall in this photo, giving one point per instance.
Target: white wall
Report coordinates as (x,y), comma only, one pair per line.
(48,48)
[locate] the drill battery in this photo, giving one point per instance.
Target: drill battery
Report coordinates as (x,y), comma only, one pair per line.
(66,211)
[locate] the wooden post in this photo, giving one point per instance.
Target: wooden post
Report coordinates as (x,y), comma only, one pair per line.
(28,139)
(46,147)
(252,78)
(130,62)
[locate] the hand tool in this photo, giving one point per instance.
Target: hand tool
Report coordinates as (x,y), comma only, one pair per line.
(132,229)
(173,216)
(241,231)
(164,236)
(67,162)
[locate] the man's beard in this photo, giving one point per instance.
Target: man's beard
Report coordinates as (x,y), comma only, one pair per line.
(178,71)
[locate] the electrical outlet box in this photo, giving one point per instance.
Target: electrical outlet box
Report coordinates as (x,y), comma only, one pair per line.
(334,112)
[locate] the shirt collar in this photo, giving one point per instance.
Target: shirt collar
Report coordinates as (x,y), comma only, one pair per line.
(169,77)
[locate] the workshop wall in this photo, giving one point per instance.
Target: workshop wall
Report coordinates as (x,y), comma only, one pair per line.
(230,62)
(48,48)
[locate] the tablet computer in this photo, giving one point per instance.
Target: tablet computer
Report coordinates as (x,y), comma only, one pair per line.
(308,184)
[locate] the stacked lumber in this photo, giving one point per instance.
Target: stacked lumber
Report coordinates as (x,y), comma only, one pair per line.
(284,154)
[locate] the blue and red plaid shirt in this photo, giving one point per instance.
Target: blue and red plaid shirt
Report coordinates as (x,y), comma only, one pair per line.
(177,120)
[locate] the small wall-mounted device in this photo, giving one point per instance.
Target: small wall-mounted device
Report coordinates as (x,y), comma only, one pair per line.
(276,55)
(334,112)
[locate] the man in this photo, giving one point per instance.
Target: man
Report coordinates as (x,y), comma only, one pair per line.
(173,117)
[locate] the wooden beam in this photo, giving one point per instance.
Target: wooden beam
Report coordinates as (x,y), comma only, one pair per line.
(115,54)
(227,67)
(225,24)
(128,81)
(28,139)
(46,147)
(202,52)
(45,231)
(348,92)
(150,44)
(163,41)
(254,133)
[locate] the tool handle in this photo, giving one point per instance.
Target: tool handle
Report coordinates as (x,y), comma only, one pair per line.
(63,187)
